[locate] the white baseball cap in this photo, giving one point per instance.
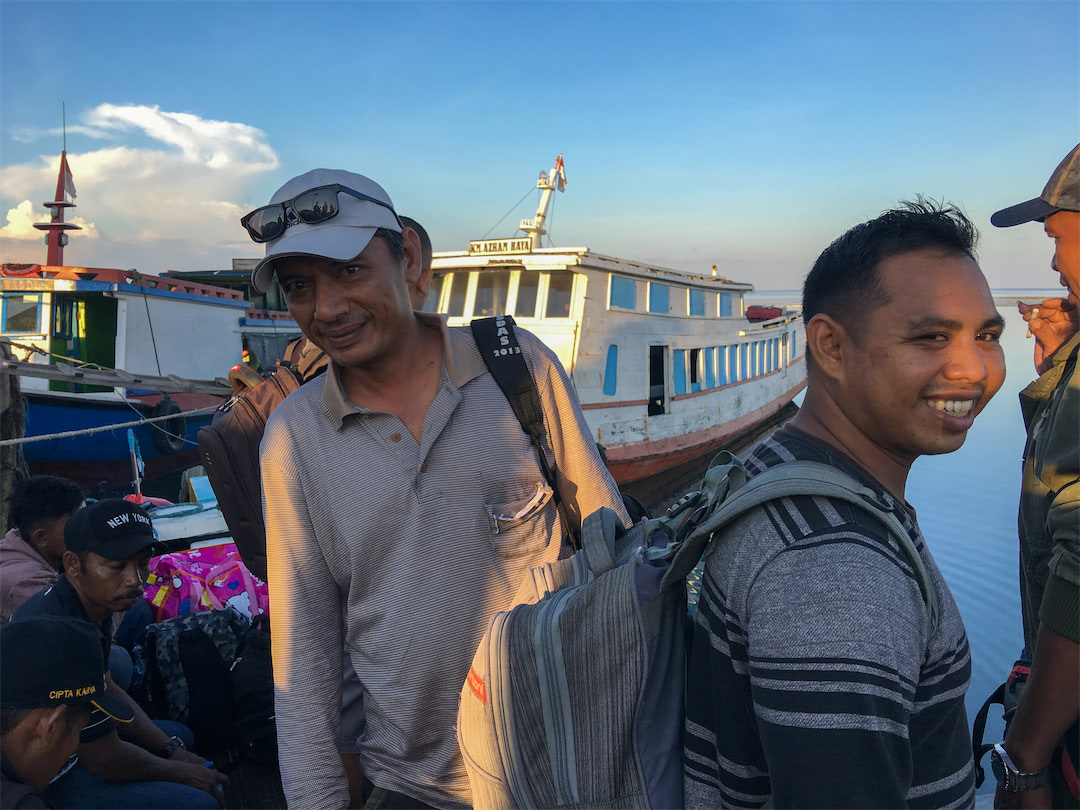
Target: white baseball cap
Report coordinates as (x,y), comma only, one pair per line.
(340,237)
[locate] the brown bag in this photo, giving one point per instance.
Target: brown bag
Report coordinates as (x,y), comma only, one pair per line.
(229,448)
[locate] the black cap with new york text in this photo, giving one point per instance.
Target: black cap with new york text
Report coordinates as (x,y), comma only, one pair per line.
(113,528)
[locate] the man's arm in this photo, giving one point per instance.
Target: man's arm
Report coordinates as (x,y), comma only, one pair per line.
(308,635)
(584,481)
(1050,703)
(115,760)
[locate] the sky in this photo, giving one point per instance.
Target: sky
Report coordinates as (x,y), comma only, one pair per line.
(748,135)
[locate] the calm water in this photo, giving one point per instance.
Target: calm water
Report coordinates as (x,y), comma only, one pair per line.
(967,504)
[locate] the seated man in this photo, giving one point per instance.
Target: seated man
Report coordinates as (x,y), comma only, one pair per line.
(31,553)
(31,556)
(51,677)
(108,546)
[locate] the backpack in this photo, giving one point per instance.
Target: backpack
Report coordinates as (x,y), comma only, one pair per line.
(499,349)
(252,675)
(575,695)
(229,449)
(187,672)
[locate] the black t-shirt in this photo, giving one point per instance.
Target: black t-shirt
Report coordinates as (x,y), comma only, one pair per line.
(62,600)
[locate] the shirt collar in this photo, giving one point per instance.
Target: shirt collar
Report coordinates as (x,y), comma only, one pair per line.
(461,363)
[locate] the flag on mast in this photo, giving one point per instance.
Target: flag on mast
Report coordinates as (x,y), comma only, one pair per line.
(69,181)
(560,173)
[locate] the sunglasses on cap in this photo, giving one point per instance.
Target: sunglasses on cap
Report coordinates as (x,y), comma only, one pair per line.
(311,207)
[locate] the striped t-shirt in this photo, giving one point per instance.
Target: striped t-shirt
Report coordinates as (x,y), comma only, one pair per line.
(815,679)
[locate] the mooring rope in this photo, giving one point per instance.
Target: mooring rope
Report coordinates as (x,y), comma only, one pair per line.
(105,428)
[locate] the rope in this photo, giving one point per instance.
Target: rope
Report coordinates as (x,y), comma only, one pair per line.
(504,216)
(106,428)
(136,277)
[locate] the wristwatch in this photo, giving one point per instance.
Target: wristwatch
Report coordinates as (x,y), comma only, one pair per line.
(1012,779)
(173,743)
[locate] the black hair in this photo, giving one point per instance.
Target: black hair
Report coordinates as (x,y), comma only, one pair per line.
(425,240)
(43,497)
(394,244)
(844,283)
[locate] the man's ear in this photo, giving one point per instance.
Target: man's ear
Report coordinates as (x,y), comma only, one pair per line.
(829,343)
(50,725)
(38,537)
(410,240)
(72,564)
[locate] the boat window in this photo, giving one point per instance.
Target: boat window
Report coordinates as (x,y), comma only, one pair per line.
(697,303)
(458,283)
(658,298)
(611,370)
(431,302)
(528,284)
(63,318)
(794,344)
(695,371)
(744,361)
(491,288)
(21,312)
(722,364)
(710,366)
(623,293)
(560,285)
(725,304)
(679,371)
(657,380)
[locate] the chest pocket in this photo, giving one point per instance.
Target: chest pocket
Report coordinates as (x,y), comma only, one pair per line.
(522,526)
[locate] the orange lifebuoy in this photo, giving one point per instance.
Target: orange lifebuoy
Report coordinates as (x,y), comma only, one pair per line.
(20,269)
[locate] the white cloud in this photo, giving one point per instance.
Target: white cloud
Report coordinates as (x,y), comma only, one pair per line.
(188,190)
(21,219)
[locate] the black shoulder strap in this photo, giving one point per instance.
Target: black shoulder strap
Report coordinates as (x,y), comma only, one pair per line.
(502,355)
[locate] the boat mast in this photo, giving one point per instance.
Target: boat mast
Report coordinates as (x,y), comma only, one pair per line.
(56,238)
(547,184)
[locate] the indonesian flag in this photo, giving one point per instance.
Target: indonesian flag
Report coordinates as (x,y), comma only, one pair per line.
(560,173)
(69,181)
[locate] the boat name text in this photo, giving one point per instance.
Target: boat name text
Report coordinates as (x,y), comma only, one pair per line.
(501,246)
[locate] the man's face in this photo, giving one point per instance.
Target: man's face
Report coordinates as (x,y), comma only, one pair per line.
(923,365)
(355,310)
(1064,228)
(112,586)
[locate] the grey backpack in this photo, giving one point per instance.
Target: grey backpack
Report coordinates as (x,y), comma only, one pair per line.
(575,695)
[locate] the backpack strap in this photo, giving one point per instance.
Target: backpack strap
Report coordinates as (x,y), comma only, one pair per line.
(498,346)
(729,499)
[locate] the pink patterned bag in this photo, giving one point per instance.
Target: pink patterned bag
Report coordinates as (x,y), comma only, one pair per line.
(207,578)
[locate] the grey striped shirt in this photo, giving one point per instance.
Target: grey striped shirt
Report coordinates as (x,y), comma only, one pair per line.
(815,679)
(416,545)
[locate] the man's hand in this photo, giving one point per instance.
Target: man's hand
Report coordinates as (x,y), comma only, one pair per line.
(180,754)
(202,778)
(1023,799)
(1052,323)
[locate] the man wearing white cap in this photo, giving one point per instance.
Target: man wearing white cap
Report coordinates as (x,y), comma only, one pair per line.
(1036,763)
(404,503)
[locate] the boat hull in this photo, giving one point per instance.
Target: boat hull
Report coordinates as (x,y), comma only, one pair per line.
(101,461)
(635,461)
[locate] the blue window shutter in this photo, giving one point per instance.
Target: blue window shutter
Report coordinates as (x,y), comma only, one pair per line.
(611,370)
(679,370)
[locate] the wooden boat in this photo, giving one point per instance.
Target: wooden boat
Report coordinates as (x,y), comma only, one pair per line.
(666,363)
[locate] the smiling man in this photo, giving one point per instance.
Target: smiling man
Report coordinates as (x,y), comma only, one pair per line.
(142,763)
(816,676)
(404,503)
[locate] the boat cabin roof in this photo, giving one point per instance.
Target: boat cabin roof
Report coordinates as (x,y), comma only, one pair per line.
(479,257)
